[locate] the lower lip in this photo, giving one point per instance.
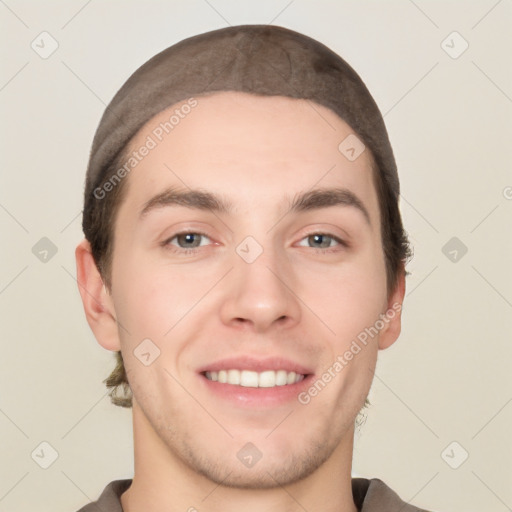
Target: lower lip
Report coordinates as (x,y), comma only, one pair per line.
(254,397)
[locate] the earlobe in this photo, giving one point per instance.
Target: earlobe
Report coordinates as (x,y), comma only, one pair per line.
(98,305)
(393,315)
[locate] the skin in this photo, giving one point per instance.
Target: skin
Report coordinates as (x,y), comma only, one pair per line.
(295,300)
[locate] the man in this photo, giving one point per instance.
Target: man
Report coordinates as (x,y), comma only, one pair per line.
(244,257)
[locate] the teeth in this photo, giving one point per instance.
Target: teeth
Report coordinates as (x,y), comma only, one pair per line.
(267,379)
(281,378)
(250,379)
(233,377)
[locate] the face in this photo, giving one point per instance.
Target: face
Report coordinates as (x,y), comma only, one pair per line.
(238,304)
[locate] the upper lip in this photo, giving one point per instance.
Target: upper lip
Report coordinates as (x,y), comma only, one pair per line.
(255,365)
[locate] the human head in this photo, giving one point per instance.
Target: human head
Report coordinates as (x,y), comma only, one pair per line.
(256,59)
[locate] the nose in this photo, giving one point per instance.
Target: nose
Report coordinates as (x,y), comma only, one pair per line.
(261,295)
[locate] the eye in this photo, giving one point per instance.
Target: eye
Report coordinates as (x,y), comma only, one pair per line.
(323,241)
(190,241)
(186,242)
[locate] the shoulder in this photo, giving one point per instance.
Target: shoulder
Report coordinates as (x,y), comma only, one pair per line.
(370,495)
(375,496)
(110,498)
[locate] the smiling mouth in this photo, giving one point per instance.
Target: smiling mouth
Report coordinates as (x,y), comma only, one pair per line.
(251,379)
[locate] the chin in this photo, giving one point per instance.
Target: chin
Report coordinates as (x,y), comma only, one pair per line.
(269,471)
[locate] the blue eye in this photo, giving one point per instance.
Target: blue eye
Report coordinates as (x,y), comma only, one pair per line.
(186,242)
(323,240)
(189,242)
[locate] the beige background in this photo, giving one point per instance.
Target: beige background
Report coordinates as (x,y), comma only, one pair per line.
(450,122)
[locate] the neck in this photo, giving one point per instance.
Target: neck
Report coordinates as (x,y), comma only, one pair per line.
(162,481)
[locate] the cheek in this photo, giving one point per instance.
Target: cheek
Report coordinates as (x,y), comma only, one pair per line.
(348,297)
(151,300)
(161,301)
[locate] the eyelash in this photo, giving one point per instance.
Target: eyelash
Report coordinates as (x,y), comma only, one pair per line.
(167,242)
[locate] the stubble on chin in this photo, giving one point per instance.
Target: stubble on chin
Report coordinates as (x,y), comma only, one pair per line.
(220,463)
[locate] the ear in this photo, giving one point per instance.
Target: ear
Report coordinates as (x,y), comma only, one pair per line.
(98,304)
(393,315)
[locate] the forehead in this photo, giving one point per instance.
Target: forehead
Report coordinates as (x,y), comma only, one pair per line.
(251,149)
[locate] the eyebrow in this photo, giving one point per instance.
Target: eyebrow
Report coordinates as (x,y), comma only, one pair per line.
(203,200)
